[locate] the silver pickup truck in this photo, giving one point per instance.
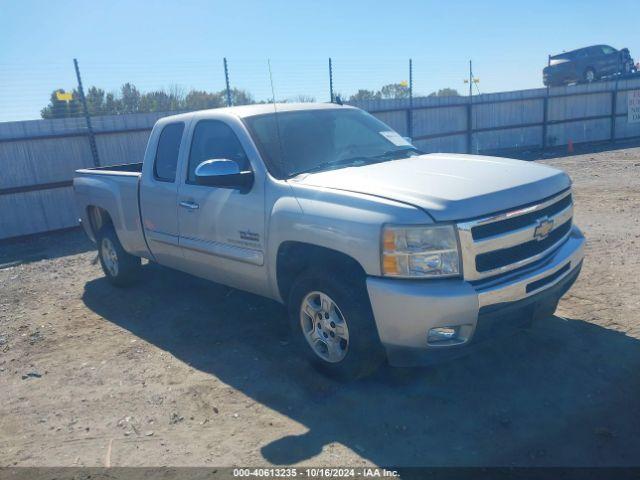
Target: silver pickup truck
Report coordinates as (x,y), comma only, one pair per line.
(378,250)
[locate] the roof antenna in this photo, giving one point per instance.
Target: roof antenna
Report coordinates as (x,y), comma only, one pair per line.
(339,100)
(275,115)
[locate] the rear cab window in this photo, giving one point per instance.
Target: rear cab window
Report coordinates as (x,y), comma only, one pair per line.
(165,164)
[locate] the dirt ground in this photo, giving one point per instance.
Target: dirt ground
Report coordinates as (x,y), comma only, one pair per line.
(177,371)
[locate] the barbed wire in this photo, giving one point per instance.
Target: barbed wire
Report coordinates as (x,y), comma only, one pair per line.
(26,89)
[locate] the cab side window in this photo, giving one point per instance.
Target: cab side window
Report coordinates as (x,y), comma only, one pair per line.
(166,161)
(213,139)
(595,51)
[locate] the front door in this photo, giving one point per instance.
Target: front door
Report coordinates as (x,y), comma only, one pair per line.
(610,60)
(221,229)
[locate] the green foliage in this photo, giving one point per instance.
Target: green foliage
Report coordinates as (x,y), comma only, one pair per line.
(392,90)
(445,92)
(129,101)
(201,100)
(95,100)
(239,97)
(395,90)
(365,95)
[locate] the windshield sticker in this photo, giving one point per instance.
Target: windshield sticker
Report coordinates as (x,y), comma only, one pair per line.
(395,138)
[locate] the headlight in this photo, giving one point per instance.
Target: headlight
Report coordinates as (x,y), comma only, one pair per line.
(420,251)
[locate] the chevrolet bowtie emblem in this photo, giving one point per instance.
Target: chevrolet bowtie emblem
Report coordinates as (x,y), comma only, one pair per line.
(543,228)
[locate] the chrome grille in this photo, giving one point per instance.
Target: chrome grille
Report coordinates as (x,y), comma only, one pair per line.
(506,241)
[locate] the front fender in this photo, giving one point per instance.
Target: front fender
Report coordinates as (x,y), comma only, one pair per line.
(346,222)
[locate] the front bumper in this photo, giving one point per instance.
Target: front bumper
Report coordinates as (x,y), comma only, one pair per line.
(406,310)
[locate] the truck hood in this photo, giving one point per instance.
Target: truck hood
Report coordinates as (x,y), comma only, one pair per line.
(449,186)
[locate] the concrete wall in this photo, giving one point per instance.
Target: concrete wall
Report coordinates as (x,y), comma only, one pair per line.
(38,157)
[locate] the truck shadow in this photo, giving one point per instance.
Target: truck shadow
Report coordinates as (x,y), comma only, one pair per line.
(34,248)
(564,393)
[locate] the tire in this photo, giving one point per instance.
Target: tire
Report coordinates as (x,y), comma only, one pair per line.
(120,268)
(589,75)
(346,327)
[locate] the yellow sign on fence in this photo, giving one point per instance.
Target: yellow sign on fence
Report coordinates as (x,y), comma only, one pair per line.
(64,96)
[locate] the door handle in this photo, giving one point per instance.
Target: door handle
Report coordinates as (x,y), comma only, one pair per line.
(190,205)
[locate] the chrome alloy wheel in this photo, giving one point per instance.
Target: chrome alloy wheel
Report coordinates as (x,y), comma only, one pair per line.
(324,327)
(109,256)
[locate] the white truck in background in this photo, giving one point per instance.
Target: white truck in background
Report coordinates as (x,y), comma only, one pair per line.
(378,250)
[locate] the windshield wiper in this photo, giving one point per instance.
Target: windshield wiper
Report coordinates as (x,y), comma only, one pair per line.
(328,165)
(393,152)
(358,161)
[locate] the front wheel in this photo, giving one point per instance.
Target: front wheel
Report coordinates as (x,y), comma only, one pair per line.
(332,323)
(120,267)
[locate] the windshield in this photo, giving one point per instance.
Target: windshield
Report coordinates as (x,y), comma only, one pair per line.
(315,140)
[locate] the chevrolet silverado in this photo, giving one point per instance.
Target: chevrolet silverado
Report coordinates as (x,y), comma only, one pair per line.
(378,250)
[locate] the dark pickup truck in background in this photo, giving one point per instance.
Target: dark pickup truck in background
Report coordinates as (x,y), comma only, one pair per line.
(587,65)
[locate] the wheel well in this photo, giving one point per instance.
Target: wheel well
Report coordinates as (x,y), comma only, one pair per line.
(98,217)
(295,257)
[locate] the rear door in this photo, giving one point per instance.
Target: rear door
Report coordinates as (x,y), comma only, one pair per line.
(221,229)
(159,195)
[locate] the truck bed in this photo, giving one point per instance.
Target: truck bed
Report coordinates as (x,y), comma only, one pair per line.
(122,169)
(114,190)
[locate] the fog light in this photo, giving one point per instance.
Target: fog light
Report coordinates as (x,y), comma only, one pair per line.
(440,334)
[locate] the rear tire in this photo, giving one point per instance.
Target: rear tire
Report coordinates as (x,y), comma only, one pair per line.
(341,340)
(120,267)
(589,75)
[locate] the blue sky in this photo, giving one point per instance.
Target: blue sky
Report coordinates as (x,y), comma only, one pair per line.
(157,44)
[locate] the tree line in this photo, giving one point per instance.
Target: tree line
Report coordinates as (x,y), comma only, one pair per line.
(130,100)
(396,90)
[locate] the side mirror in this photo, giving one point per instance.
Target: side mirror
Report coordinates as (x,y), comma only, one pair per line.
(223,173)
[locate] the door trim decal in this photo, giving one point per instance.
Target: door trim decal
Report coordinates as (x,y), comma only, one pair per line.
(246,255)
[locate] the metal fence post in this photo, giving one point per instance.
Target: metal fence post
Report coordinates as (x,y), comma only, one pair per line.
(469,113)
(330,81)
(87,117)
(614,111)
(545,118)
(226,80)
(410,110)
(545,112)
